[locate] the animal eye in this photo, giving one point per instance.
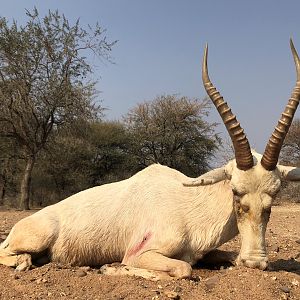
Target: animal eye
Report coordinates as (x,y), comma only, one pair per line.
(245,208)
(237,193)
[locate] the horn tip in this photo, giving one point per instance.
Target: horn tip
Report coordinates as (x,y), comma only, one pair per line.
(292,44)
(206,49)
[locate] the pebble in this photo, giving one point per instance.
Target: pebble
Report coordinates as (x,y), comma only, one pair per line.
(3,237)
(274,278)
(211,282)
(172,295)
(274,248)
(17,276)
(285,289)
(295,282)
(80,273)
(41,280)
(177,289)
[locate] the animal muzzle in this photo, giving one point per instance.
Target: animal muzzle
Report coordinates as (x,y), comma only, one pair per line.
(253,261)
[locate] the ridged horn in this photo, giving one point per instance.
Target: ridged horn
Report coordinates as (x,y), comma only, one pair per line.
(243,156)
(272,151)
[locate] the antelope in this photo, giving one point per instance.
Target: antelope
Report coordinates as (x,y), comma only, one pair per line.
(159,222)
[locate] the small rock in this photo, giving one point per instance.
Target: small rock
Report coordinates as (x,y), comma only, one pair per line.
(211,282)
(3,237)
(285,289)
(298,241)
(172,295)
(41,280)
(177,289)
(295,282)
(274,248)
(159,286)
(80,273)
(17,276)
(274,278)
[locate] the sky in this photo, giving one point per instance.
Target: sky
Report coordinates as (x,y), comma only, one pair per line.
(160,47)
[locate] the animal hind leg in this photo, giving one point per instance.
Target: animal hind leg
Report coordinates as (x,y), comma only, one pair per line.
(26,238)
(22,262)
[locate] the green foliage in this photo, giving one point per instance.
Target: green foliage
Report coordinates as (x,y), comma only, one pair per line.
(45,81)
(172,131)
(290,156)
(81,156)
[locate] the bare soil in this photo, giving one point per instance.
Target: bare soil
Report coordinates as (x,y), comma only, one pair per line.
(280,281)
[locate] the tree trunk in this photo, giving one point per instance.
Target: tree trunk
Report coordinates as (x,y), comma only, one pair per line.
(2,188)
(3,180)
(25,184)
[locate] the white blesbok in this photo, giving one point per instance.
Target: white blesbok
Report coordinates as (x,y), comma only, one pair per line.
(159,222)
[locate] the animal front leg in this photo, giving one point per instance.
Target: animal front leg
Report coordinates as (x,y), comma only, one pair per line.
(151,260)
(150,265)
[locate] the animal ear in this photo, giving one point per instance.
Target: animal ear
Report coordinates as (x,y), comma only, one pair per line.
(289,173)
(211,177)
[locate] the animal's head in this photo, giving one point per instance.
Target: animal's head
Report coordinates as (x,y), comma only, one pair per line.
(255,179)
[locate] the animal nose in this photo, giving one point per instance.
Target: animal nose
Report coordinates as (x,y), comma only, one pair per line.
(261,264)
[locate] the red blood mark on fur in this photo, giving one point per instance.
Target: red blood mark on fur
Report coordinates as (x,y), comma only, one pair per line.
(138,247)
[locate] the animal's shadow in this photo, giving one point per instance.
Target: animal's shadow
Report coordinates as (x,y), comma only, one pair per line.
(217,259)
(288,265)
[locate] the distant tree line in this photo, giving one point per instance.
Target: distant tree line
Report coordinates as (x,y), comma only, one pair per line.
(290,156)
(53,140)
(169,130)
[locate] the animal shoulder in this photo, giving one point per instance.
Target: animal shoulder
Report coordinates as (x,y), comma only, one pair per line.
(160,171)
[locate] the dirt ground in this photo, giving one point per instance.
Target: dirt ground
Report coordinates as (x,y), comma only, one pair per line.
(280,281)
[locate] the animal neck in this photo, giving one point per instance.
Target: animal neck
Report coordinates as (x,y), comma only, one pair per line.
(212,220)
